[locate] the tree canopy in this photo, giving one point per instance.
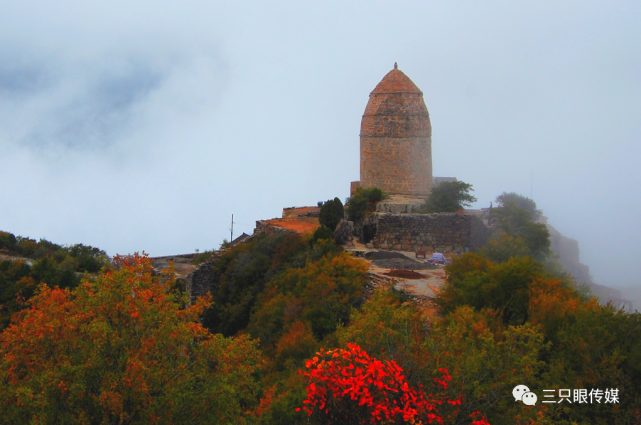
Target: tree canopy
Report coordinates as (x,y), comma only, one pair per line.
(449,197)
(54,264)
(586,345)
(363,201)
(519,201)
(516,216)
(123,347)
(121,350)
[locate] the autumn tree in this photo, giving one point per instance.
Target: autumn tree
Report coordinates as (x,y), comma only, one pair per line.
(291,295)
(487,360)
(53,264)
(121,350)
(592,347)
(587,346)
(600,347)
(18,281)
(391,329)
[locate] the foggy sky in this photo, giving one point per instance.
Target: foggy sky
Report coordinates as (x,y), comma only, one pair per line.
(144,125)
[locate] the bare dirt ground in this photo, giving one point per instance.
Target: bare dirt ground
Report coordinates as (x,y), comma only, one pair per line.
(296,224)
(426,284)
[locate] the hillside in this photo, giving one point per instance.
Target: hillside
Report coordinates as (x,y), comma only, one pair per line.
(279,307)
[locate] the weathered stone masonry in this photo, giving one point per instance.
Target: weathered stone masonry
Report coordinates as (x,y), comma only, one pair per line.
(262,226)
(203,279)
(396,142)
(410,232)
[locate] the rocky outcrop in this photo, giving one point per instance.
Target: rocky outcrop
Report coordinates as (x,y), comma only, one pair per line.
(8,256)
(199,279)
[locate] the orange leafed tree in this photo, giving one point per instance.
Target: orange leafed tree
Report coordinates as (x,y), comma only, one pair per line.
(122,350)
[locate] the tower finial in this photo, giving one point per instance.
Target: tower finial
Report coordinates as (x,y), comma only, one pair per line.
(395,65)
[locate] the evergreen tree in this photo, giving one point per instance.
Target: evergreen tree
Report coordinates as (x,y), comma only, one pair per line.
(331,213)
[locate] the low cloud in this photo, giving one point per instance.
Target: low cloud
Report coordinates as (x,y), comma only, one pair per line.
(57,103)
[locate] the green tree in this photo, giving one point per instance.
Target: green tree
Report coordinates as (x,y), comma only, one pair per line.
(16,286)
(363,201)
(479,283)
(88,258)
(449,197)
(519,201)
(518,222)
(322,233)
(331,213)
(7,241)
(596,347)
(241,275)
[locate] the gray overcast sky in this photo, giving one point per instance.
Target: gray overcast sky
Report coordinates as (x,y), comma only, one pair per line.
(144,125)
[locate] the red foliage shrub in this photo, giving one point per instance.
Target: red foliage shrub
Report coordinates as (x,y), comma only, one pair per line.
(350,387)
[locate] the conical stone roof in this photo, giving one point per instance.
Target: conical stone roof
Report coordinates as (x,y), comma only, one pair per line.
(396,82)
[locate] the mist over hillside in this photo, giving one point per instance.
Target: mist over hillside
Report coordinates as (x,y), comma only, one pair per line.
(568,252)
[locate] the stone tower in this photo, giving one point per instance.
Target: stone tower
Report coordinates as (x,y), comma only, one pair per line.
(396,139)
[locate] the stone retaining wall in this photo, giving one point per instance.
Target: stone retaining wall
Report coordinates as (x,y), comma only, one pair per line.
(445,231)
(203,279)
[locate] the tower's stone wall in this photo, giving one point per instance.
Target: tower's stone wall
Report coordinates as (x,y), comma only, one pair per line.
(396,138)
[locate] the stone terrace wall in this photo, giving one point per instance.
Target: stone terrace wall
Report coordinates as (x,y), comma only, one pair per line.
(445,231)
